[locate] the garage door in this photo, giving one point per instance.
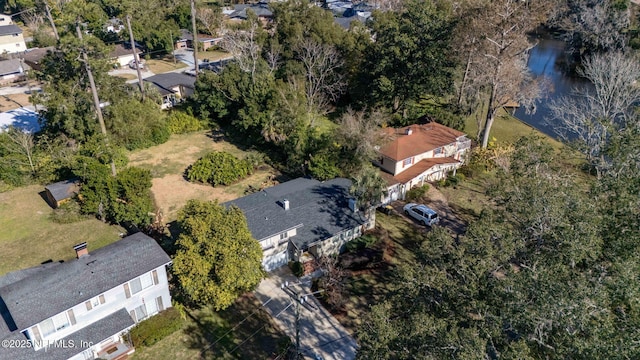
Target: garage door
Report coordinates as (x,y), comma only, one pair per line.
(275,261)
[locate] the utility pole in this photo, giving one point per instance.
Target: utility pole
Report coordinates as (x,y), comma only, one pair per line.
(135,56)
(173,47)
(53,25)
(299,299)
(195,35)
(94,91)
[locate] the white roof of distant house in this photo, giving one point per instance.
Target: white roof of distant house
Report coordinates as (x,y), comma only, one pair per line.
(24,118)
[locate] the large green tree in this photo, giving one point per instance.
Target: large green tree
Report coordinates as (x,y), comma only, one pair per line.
(409,57)
(217,258)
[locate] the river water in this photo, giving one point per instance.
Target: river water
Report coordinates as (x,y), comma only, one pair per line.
(549,59)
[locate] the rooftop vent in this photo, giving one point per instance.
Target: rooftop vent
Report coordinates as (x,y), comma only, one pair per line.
(352,205)
(285,204)
(409,131)
(81,249)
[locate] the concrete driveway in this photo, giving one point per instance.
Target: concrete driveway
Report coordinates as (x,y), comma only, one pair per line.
(321,335)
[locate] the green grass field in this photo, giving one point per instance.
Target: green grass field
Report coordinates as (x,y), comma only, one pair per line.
(29,237)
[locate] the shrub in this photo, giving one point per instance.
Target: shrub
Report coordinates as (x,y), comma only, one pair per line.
(417,192)
(296,268)
(219,168)
(181,123)
(67,213)
(156,328)
(452,180)
(323,167)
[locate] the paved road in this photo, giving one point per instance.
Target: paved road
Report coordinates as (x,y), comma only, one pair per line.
(321,335)
(18,89)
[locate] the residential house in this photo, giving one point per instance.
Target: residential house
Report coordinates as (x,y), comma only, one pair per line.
(260,9)
(173,87)
(302,219)
(185,41)
(420,153)
(5,19)
(81,309)
(122,55)
(114,25)
(12,70)
(60,192)
(11,39)
(34,56)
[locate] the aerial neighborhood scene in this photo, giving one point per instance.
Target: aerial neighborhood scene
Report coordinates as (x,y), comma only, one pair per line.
(326,179)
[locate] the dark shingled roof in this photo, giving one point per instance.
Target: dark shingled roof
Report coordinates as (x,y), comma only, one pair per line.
(73,344)
(12,66)
(74,282)
(9,30)
(167,81)
(261,10)
(319,209)
(63,189)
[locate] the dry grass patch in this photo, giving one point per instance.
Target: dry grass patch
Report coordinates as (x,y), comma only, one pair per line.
(14,101)
(168,162)
(29,237)
(159,66)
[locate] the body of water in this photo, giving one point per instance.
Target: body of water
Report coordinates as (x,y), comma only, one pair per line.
(548,59)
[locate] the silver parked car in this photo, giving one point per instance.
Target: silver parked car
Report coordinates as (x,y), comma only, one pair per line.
(422,213)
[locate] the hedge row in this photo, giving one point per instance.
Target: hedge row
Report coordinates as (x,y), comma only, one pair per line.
(219,168)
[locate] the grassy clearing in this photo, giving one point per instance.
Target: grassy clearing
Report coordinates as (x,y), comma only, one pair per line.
(29,237)
(127,76)
(168,162)
(214,55)
(158,66)
(14,101)
(365,287)
(211,335)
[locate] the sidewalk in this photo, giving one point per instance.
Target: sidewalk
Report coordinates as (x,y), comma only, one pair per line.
(321,335)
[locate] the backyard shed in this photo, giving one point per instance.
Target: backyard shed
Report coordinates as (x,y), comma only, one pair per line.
(59,192)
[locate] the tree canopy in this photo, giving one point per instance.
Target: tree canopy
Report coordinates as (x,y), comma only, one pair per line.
(217,258)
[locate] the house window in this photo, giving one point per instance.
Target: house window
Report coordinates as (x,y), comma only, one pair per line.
(407,162)
(96,301)
(437,151)
(266,244)
(141,283)
(56,323)
(141,312)
(284,236)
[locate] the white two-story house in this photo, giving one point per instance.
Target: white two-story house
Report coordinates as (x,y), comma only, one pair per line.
(302,219)
(11,39)
(81,309)
(419,153)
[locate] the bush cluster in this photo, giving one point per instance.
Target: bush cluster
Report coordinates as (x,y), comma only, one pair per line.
(67,213)
(452,180)
(219,168)
(417,192)
(181,123)
(156,328)
(296,268)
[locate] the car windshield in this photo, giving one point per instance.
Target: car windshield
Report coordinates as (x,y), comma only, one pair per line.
(433,216)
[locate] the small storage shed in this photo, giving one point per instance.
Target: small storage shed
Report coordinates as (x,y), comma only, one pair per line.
(59,192)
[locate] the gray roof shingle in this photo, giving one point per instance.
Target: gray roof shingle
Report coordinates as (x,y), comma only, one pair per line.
(66,285)
(319,210)
(9,30)
(74,343)
(63,189)
(167,81)
(12,66)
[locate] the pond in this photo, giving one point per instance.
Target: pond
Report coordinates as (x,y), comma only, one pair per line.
(550,60)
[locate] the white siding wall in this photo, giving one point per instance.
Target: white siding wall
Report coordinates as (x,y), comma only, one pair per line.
(124,60)
(12,43)
(274,245)
(115,299)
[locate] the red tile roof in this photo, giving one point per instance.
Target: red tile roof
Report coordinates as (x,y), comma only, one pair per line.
(422,166)
(423,138)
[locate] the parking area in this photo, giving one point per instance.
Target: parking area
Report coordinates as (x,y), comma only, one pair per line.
(438,202)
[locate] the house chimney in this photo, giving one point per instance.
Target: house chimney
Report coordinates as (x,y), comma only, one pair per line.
(285,204)
(81,250)
(409,131)
(352,204)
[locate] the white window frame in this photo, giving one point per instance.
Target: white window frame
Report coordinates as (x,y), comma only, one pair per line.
(143,285)
(407,162)
(60,322)
(284,237)
(266,244)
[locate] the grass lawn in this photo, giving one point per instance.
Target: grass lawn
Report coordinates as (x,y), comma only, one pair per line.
(169,161)
(365,287)
(158,66)
(213,55)
(29,237)
(214,335)
(127,76)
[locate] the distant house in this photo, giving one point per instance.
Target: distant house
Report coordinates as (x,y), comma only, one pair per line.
(60,192)
(12,70)
(185,41)
(302,219)
(33,57)
(114,25)
(121,54)
(419,153)
(239,12)
(82,309)
(11,39)
(5,19)
(173,87)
